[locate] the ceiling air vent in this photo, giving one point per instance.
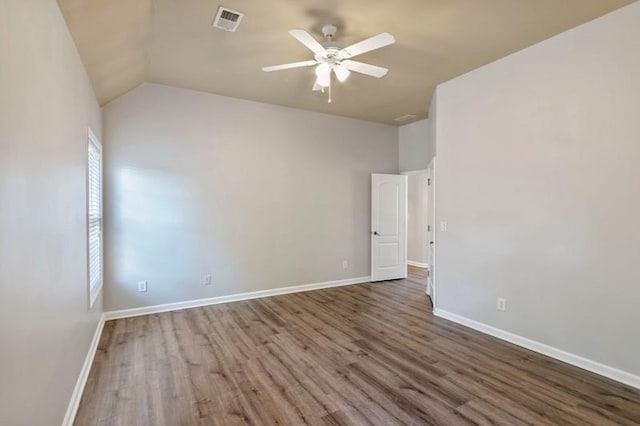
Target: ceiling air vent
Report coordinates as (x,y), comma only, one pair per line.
(404,118)
(227,19)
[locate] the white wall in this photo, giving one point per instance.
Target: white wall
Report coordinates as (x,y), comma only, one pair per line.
(417,235)
(46,105)
(413,146)
(259,196)
(538,179)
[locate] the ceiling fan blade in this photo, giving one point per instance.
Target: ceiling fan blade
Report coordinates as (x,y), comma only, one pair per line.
(316,87)
(375,42)
(372,70)
(305,38)
(291,65)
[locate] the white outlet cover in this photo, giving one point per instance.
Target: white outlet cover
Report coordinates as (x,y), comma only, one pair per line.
(501,304)
(207,280)
(345,264)
(142,286)
(443,226)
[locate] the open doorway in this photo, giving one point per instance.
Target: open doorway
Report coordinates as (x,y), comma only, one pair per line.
(420,227)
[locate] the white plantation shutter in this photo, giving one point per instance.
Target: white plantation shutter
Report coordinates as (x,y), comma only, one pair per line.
(94,213)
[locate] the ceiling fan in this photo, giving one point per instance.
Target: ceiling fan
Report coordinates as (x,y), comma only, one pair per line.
(329,57)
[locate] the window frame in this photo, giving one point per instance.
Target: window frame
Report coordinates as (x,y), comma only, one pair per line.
(94,290)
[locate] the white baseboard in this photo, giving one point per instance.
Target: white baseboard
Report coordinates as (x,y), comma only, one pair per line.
(76,396)
(417,264)
(550,351)
(146,310)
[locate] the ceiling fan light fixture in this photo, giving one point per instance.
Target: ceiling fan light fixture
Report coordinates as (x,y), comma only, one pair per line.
(341,72)
(330,58)
(323,72)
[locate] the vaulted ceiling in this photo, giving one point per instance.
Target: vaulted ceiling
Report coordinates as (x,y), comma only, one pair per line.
(126,42)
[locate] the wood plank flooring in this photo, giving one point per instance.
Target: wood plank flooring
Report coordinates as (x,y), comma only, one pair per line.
(359,355)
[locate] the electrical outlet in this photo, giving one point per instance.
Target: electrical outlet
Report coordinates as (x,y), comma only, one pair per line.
(142,286)
(207,279)
(345,264)
(501,304)
(443,226)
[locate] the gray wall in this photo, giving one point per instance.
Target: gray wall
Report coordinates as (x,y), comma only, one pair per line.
(538,179)
(417,235)
(259,196)
(46,105)
(413,146)
(431,128)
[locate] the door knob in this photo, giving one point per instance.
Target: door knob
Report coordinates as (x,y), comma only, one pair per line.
(431,242)
(375,233)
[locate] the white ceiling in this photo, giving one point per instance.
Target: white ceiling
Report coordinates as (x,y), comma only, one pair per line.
(126,42)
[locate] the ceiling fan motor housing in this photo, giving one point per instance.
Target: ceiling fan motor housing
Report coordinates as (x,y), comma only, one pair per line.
(330,55)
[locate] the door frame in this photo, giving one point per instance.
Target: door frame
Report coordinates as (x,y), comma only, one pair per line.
(432,204)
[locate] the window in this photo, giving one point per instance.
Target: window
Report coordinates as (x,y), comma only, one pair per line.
(94,217)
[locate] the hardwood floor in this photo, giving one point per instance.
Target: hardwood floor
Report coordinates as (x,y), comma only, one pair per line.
(361,354)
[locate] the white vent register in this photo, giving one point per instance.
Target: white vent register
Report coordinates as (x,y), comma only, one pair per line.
(227,19)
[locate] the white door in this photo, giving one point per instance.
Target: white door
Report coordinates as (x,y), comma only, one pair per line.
(388,227)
